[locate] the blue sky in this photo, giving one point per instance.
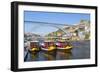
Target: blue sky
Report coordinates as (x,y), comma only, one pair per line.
(50,17)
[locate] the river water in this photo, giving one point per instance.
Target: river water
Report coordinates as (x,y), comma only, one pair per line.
(80,50)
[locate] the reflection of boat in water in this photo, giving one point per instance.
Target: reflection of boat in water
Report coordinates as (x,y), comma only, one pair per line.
(64,46)
(34,47)
(62,55)
(48,46)
(49,56)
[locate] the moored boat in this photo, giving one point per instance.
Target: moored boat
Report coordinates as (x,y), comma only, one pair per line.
(64,46)
(48,46)
(34,46)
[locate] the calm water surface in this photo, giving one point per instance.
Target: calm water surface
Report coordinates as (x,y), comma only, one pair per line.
(81,50)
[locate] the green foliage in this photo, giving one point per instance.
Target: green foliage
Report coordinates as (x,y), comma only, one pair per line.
(87,36)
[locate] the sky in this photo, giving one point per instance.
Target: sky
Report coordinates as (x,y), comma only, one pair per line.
(50,17)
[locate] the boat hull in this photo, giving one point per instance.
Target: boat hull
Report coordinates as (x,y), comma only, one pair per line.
(34,51)
(64,49)
(48,50)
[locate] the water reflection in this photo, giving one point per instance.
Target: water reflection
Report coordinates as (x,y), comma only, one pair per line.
(48,56)
(32,56)
(62,55)
(81,50)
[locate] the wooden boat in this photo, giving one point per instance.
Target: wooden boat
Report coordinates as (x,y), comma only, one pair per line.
(64,46)
(48,47)
(34,46)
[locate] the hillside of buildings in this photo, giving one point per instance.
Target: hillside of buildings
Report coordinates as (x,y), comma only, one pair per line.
(79,31)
